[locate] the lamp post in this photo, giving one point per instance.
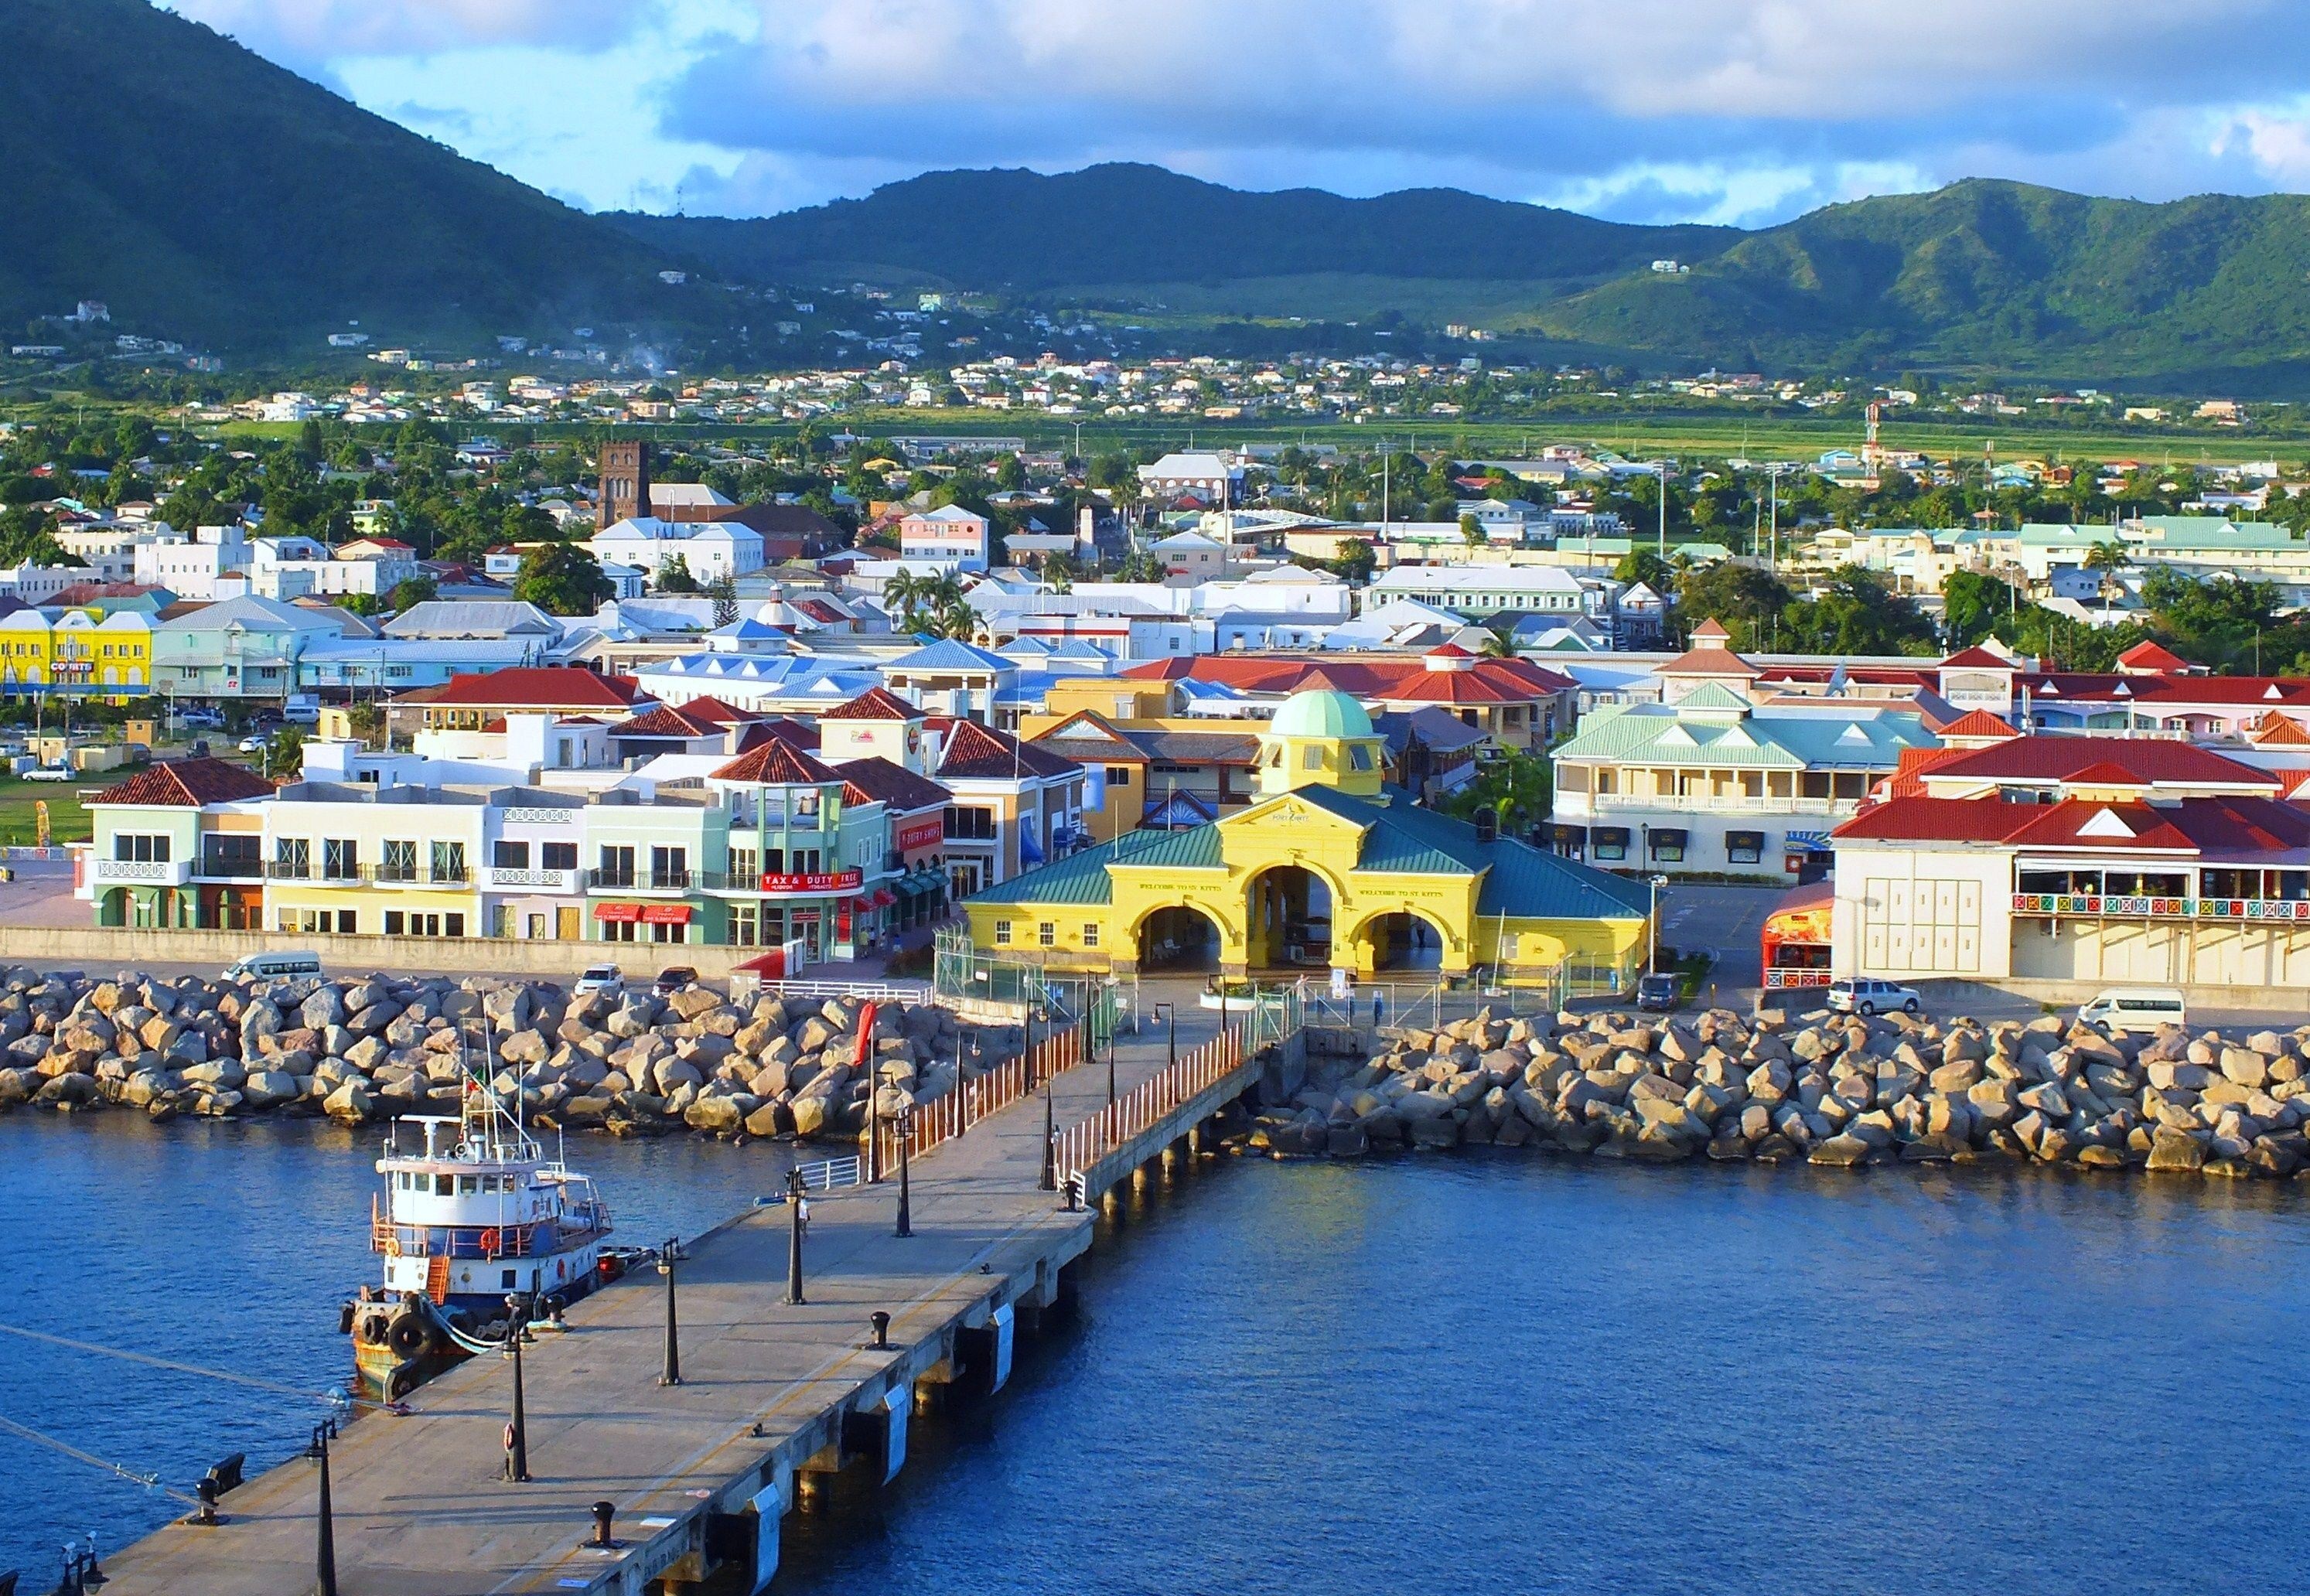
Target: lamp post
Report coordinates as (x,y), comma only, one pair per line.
(1050,1181)
(1171,1030)
(794,1242)
(516,1466)
(906,1190)
(1656,883)
(668,1255)
(1110,1063)
(325,1547)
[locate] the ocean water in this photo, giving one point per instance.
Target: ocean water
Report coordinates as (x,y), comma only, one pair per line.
(1494,1373)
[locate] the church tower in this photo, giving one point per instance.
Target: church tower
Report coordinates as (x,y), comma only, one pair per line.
(625,480)
(1322,737)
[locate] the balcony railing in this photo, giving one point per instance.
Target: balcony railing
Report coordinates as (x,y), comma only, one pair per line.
(376,875)
(144,872)
(2135,907)
(1605,804)
(513,876)
(215,868)
(640,880)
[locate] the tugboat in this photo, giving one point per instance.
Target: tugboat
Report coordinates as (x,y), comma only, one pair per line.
(476,1223)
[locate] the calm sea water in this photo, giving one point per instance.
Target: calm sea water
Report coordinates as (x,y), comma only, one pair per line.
(1498,1373)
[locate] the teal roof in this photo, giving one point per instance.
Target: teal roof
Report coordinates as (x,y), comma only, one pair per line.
(1321,712)
(1527,884)
(1082,878)
(2209,534)
(1857,738)
(1400,838)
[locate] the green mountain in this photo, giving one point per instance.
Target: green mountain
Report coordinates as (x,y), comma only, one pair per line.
(207,195)
(1987,277)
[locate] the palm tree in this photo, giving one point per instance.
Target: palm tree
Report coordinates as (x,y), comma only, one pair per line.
(1500,645)
(2110,558)
(905,590)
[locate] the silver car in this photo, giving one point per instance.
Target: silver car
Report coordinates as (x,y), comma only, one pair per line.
(1855,995)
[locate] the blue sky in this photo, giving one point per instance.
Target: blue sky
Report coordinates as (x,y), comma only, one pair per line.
(1744,111)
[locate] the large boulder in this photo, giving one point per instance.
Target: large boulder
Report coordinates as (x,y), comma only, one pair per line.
(269,1088)
(2176,1152)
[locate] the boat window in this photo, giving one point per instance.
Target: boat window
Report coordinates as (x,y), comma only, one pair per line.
(444,1186)
(468,1185)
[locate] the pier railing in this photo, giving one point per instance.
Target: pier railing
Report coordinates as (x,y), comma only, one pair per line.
(945,1117)
(1148,1104)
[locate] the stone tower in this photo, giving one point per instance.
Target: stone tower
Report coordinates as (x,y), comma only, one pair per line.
(625,480)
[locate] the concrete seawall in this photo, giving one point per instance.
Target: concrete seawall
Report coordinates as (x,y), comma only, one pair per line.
(108,947)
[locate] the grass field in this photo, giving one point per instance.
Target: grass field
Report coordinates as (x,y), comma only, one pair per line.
(67,820)
(1636,434)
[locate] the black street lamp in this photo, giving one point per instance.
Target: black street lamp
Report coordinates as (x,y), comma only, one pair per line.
(906,1194)
(668,1256)
(793,1243)
(1050,1181)
(1171,1029)
(517,1465)
(324,1547)
(1110,1063)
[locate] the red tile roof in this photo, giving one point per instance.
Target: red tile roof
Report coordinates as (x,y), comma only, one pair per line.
(1977,658)
(2062,758)
(1708,662)
(665,721)
(1979,723)
(974,751)
(876,703)
(879,781)
(2170,692)
(1398,679)
(540,687)
(777,763)
(2149,656)
(188,784)
(2275,729)
(2240,828)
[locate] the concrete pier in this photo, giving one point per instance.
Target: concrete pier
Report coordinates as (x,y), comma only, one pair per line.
(774,1400)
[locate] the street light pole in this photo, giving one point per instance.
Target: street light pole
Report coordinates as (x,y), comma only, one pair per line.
(667,1257)
(905,1120)
(1171,1030)
(1652,964)
(1110,1064)
(794,1242)
(325,1548)
(517,1432)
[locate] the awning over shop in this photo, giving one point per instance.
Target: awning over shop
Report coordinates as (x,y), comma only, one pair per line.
(618,914)
(665,914)
(884,898)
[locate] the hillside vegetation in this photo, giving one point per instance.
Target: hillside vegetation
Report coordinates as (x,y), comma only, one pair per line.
(207,195)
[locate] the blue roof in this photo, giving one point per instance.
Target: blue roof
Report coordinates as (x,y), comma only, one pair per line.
(949,654)
(1529,883)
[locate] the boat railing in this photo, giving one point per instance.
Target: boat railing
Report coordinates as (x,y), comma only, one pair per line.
(485,1241)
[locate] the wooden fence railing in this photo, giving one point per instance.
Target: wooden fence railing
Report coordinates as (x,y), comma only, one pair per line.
(1145,1105)
(944,1118)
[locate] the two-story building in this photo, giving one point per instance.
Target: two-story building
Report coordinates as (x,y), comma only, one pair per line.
(949,535)
(177,845)
(1715,783)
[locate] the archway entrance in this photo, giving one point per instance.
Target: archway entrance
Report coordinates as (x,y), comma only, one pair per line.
(1290,912)
(1402,942)
(1179,940)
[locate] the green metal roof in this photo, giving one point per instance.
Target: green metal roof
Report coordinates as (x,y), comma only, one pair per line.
(1526,884)
(1862,738)
(1078,878)
(1400,839)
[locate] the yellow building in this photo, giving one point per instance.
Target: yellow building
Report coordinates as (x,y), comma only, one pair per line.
(81,651)
(1326,869)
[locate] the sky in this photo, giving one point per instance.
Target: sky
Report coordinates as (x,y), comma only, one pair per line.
(1739,111)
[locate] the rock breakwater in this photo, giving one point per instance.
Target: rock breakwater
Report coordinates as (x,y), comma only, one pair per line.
(629,1064)
(1829,1090)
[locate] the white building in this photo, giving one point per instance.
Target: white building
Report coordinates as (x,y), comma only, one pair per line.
(1212,478)
(192,568)
(712,549)
(1475,590)
(950,534)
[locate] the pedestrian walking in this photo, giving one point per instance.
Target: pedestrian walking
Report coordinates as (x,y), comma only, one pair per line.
(1379,1008)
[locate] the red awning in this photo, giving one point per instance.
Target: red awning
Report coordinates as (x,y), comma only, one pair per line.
(884,898)
(624,914)
(665,914)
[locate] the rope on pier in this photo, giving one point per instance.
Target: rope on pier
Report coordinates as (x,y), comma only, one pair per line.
(333,1398)
(149,1481)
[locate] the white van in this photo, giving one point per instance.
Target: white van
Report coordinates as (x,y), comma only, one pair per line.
(2136,1009)
(261,966)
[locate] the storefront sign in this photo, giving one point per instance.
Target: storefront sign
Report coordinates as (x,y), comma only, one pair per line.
(841,881)
(619,913)
(922,834)
(665,914)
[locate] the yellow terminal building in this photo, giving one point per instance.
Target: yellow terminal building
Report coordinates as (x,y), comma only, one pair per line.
(1328,869)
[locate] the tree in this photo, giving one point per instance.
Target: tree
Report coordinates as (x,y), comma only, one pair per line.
(1355,561)
(1498,644)
(1472,531)
(1519,790)
(1059,571)
(562,579)
(1140,566)
(1973,603)
(2109,557)
(1856,614)
(673,576)
(407,594)
(1642,565)
(723,591)
(1745,601)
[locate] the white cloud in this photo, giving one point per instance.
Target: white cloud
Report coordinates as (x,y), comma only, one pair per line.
(1732,110)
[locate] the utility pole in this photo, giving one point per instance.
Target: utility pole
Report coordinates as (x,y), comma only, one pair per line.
(1663,511)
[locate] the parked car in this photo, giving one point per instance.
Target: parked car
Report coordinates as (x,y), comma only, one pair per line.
(605,978)
(1852,995)
(50,773)
(2136,1009)
(254,745)
(206,720)
(1656,993)
(673,978)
